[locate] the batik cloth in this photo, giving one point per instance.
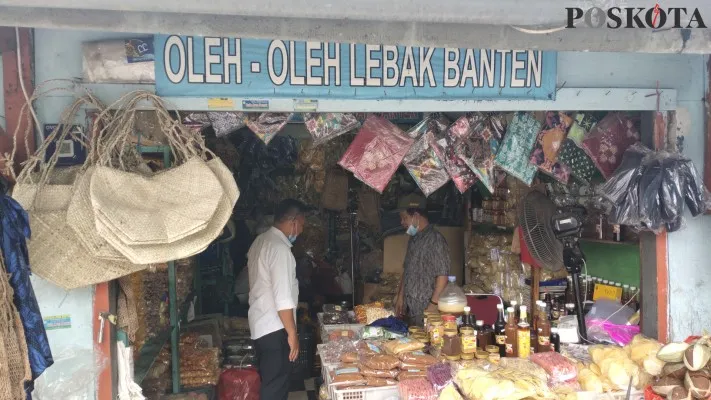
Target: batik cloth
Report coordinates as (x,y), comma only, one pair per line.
(548,144)
(581,166)
(15,232)
(376,152)
(608,141)
(515,150)
(267,125)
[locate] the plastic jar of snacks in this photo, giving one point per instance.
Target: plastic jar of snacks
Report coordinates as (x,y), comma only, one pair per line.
(468,337)
(436,333)
(452,346)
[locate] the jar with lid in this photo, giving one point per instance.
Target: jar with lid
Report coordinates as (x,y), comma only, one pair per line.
(436,333)
(452,299)
(449,321)
(414,330)
(468,337)
(452,346)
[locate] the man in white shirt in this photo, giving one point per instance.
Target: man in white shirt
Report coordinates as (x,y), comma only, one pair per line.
(273,296)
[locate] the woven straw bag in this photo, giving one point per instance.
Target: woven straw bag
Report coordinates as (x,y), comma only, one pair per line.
(187,246)
(14,357)
(158,209)
(54,250)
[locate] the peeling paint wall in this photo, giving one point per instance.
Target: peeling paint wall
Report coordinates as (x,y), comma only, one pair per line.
(58,55)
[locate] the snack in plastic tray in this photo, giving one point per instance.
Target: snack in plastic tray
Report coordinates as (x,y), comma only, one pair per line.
(331,352)
(559,368)
(361,311)
(376,152)
(341,334)
(380,361)
(402,345)
(416,389)
(374,314)
(350,357)
(405,375)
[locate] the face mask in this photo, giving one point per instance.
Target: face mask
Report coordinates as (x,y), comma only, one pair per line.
(293,236)
(412,229)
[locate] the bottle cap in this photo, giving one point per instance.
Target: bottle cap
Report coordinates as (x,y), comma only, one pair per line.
(514,303)
(626,286)
(554,330)
(452,279)
(633,288)
(499,306)
(479,322)
(510,309)
(524,308)
(467,309)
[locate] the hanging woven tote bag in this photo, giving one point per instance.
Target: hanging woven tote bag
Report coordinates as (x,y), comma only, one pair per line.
(54,250)
(14,356)
(171,214)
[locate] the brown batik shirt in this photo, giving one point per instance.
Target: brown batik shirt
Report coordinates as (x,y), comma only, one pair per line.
(427,258)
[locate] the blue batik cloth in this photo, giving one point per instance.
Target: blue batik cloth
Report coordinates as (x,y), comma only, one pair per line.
(15,232)
(391,324)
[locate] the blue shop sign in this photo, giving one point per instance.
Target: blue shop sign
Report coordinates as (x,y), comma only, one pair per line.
(231,67)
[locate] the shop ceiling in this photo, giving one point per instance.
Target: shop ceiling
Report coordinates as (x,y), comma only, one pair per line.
(503,24)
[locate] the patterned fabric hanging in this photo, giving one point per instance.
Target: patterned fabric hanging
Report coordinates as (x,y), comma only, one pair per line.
(15,231)
(608,141)
(515,150)
(581,166)
(548,144)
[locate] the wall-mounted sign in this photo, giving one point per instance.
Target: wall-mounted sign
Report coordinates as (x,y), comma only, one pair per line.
(233,67)
(71,150)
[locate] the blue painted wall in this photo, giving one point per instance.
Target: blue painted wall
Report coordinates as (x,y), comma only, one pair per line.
(58,56)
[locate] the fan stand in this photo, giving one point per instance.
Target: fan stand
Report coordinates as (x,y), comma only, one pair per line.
(574,259)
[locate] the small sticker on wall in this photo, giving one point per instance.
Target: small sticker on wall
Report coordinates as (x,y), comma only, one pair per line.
(220,103)
(253,105)
(54,322)
(305,105)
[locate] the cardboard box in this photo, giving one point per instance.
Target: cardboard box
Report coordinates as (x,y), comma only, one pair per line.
(395,246)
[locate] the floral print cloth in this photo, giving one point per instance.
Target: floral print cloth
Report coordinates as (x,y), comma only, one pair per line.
(485,132)
(423,164)
(582,124)
(515,150)
(267,125)
(376,152)
(326,126)
(608,141)
(449,148)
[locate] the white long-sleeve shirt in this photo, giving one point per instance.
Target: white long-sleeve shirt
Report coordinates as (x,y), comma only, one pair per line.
(272,282)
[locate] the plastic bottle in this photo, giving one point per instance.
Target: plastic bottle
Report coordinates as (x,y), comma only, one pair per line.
(524,334)
(452,300)
(511,333)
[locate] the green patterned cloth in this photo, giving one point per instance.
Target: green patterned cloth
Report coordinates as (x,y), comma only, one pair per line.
(582,124)
(515,150)
(581,166)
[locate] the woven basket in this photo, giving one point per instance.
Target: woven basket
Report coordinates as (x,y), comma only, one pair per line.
(189,245)
(80,217)
(14,357)
(158,209)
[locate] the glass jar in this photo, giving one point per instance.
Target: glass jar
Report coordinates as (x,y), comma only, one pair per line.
(436,333)
(467,356)
(452,346)
(450,321)
(468,337)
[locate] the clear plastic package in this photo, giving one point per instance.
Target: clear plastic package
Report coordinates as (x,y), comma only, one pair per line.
(440,375)
(425,166)
(326,126)
(559,368)
(267,125)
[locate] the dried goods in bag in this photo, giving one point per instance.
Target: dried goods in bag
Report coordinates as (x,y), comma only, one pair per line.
(559,368)
(376,152)
(326,126)
(226,122)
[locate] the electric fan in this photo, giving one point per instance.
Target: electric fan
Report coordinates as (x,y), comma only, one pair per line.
(551,235)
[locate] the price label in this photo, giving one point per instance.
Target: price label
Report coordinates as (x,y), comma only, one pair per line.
(218,103)
(607,292)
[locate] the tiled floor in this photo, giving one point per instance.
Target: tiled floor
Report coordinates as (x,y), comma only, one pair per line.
(310,392)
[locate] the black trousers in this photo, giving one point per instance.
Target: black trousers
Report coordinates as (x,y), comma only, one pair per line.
(274,365)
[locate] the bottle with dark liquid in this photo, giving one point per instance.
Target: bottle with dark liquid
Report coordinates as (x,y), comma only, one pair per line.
(500,330)
(483,335)
(534,325)
(544,332)
(511,333)
(467,318)
(555,340)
